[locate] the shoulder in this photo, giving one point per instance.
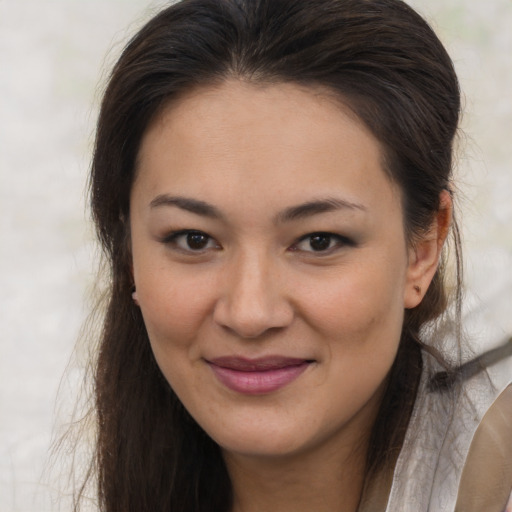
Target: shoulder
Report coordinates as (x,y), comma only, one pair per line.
(486,479)
(457,455)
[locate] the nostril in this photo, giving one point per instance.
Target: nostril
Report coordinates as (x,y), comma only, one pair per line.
(252,322)
(249,331)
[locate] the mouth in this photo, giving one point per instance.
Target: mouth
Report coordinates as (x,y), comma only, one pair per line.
(257,376)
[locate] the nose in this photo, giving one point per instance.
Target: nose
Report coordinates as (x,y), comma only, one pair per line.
(252,300)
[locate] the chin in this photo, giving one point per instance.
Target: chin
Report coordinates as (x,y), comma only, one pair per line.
(256,445)
(258,440)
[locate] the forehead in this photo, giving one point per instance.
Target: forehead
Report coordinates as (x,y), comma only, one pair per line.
(259,140)
(245,104)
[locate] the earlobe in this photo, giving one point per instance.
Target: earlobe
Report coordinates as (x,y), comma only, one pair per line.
(425,254)
(134,289)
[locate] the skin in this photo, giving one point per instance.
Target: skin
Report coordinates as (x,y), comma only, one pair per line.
(257,288)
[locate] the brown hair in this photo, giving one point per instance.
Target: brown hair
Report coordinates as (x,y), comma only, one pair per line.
(383,61)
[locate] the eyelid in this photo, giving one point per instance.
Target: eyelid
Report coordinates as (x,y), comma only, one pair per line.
(172,238)
(341,241)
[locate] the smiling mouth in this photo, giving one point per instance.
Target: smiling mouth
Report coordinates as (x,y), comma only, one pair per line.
(257,376)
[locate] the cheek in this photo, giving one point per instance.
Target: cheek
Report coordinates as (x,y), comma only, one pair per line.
(366,299)
(175,305)
(175,311)
(360,317)
(360,321)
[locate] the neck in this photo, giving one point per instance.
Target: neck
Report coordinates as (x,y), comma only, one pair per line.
(323,481)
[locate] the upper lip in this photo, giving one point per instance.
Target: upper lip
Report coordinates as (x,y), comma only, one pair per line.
(259,364)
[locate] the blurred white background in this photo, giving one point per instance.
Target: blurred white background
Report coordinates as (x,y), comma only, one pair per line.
(54,56)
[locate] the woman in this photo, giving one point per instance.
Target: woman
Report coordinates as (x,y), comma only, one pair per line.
(272,188)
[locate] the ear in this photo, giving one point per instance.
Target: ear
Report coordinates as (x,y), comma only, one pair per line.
(425,253)
(135,297)
(129,256)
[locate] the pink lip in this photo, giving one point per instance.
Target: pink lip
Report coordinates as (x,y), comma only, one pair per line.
(257,376)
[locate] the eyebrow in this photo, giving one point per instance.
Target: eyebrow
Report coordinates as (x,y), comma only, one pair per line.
(186,203)
(311,208)
(292,213)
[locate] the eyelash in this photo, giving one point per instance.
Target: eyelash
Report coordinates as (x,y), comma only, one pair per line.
(339,241)
(173,239)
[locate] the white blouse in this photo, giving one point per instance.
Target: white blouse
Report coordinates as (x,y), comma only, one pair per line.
(428,471)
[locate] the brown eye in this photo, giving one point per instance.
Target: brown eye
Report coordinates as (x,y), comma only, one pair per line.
(191,241)
(320,242)
(197,241)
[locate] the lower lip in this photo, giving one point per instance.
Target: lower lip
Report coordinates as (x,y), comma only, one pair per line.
(258,382)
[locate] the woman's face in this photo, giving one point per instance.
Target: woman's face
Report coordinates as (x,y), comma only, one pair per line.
(270,265)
